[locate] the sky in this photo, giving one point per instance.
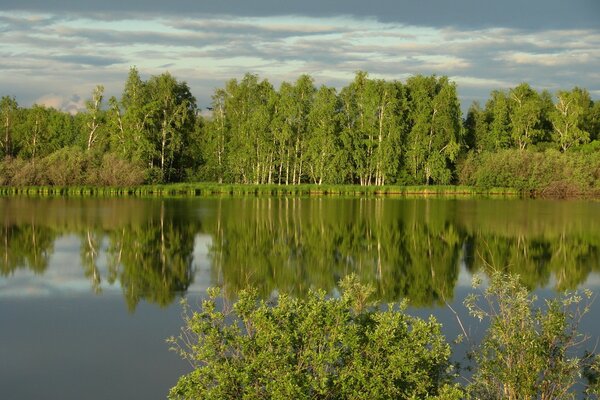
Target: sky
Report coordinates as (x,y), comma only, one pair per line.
(55,52)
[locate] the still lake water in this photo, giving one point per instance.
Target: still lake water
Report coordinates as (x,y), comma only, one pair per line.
(89,287)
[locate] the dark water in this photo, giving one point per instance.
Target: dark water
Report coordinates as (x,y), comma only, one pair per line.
(89,287)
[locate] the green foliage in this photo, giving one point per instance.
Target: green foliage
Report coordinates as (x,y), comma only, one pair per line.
(372,133)
(71,166)
(526,108)
(527,352)
(317,348)
(8,118)
(433,140)
(568,118)
(547,173)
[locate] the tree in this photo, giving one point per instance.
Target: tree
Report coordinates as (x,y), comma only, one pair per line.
(322,148)
(359,104)
(568,118)
(525,115)
(215,141)
(8,115)
(433,140)
(498,119)
(303,92)
(130,119)
(172,113)
(94,115)
(35,133)
(249,109)
(476,129)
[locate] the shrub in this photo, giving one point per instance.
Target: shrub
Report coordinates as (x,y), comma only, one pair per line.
(65,166)
(528,352)
(317,348)
(115,171)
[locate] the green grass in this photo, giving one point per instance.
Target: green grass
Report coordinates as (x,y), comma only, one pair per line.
(210,189)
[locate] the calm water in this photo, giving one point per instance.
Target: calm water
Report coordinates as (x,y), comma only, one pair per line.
(89,288)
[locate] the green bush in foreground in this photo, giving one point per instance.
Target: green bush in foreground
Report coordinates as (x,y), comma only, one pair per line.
(317,348)
(349,348)
(528,352)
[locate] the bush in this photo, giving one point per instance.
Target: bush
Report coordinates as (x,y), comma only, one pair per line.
(115,171)
(528,352)
(317,348)
(549,173)
(65,167)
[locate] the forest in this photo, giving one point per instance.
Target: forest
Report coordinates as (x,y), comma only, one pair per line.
(371,132)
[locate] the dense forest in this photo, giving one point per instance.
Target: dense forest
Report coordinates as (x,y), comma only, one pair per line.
(371,132)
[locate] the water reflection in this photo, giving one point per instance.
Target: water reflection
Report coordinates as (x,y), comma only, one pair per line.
(414,248)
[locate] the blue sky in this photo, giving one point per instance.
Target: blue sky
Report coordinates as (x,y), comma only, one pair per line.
(54,53)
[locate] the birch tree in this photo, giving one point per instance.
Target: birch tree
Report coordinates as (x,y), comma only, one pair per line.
(525,115)
(568,118)
(94,115)
(8,115)
(322,144)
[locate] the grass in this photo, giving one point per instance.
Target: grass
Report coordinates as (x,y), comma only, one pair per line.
(209,189)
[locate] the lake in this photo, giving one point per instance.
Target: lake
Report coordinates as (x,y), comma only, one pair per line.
(89,288)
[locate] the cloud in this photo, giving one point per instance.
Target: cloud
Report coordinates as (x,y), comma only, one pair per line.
(72,53)
(532,14)
(561,59)
(72,103)
(98,61)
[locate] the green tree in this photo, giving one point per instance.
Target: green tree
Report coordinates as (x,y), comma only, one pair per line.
(303,93)
(129,121)
(35,133)
(568,118)
(476,130)
(8,116)
(94,115)
(249,109)
(526,108)
(172,113)
(359,103)
(593,121)
(498,117)
(215,141)
(434,137)
(322,148)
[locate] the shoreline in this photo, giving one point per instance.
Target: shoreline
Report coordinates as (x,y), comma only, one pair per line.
(211,189)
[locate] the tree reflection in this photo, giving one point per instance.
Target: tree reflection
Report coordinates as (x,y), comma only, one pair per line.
(25,246)
(153,262)
(405,248)
(295,244)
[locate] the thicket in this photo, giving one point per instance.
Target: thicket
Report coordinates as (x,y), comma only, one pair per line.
(547,174)
(348,347)
(371,132)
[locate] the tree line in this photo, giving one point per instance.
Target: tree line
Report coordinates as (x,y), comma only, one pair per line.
(371,132)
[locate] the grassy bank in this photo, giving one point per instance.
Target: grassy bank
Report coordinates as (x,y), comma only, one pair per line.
(209,189)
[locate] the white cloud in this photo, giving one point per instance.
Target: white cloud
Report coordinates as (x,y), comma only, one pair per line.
(72,103)
(560,59)
(61,56)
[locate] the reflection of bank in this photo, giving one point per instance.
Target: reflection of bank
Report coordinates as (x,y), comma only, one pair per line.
(150,257)
(154,250)
(294,244)
(26,246)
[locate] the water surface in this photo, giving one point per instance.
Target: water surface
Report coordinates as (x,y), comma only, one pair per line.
(89,287)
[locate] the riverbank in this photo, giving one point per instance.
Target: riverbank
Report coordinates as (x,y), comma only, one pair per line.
(210,189)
